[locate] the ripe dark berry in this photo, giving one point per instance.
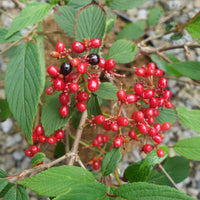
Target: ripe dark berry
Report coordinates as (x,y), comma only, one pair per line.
(139,89)
(131,98)
(160,153)
(82,96)
(93,59)
(132,134)
(28,153)
(93,85)
(157,138)
(169,104)
(109,64)
(75,62)
(158,72)
(42,138)
(52,71)
(39,130)
(95,43)
(60,47)
(59,84)
(78,47)
(74,87)
(34,149)
(65,68)
(122,121)
(148,94)
(96,165)
(81,106)
(121,94)
(118,141)
(63,98)
(147,148)
(64,110)
(99,119)
(162,83)
(51,140)
(114,127)
(50,90)
(82,68)
(59,134)
(140,72)
(166,126)
(101,63)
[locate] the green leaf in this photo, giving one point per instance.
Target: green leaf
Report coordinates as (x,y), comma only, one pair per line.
(176,36)
(154,16)
(93,107)
(189,118)
(76,117)
(59,149)
(107,90)
(86,191)
(122,51)
(110,22)
(14,37)
(164,114)
(140,191)
(170,25)
(77,4)
(65,19)
(51,118)
(125,4)
(177,167)
(38,158)
(111,161)
(165,66)
(193,28)
(189,148)
(4,110)
(3,183)
(90,23)
(132,30)
(23,86)
(57,180)
(3,174)
(189,69)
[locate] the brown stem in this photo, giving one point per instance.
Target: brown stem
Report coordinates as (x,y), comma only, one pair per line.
(191,46)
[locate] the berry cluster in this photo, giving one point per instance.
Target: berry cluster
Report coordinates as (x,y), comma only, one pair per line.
(72,76)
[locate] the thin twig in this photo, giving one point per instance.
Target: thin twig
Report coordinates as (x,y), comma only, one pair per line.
(5,13)
(117,177)
(18,4)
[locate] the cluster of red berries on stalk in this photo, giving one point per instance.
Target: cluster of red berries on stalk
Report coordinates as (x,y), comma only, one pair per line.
(72,76)
(38,137)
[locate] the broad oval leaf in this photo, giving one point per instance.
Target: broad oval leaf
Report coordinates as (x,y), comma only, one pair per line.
(140,191)
(122,51)
(86,191)
(77,4)
(38,158)
(110,22)
(3,183)
(111,161)
(57,180)
(3,174)
(189,148)
(23,86)
(65,19)
(14,37)
(193,28)
(4,110)
(189,118)
(154,16)
(37,9)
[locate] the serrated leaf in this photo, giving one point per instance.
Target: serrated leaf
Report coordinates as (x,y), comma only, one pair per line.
(122,51)
(189,69)
(154,16)
(189,118)
(107,90)
(177,167)
(65,18)
(93,107)
(189,148)
(23,86)
(132,30)
(111,161)
(110,22)
(77,4)
(38,158)
(14,37)
(76,116)
(3,174)
(59,150)
(57,180)
(164,114)
(37,9)
(193,28)
(176,36)
(86,191)
(4,110)
(140,191)
(51,118)
(3,183)
(125,4)
(90,23)
(161,64)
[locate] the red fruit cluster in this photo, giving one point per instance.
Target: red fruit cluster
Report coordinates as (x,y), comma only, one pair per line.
(99,140)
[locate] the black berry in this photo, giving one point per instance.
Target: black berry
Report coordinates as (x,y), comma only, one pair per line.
(65,68)
(93,59)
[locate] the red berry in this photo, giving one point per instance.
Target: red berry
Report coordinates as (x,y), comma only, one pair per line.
(122,121)
(52,71)
(34,149)
(78,47)
(82,96)
(166,126)
(101,62)
(114,127)
(34,136)
(148,94)
(139,89)
(121,94)
(50,90)
(42,139)
(143,128)
(74,87)
(162,83)
(157,138)
(99,137)
(160,153)
(153,102)
(109,64)
(105,138)
(64,110)
(75,62)
(150,120)
(150,72)
(156,113)
(59,134)
(158,127)
(59,84)
(106,125)
(96,165)
(28,153)
(95,143)
(132,134)
(60,47)
(149,112)
(63,98)
(131,98)
(161,102)
(152,131)
(82,68)
(139,116)
(147,148)
(95,43)
(169,104)
(39,130)
(51,140)
(118,141)
(158,72)
(151,65)
(140,72)
(93,85)
(167,94)
(99,119)
(81,106)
